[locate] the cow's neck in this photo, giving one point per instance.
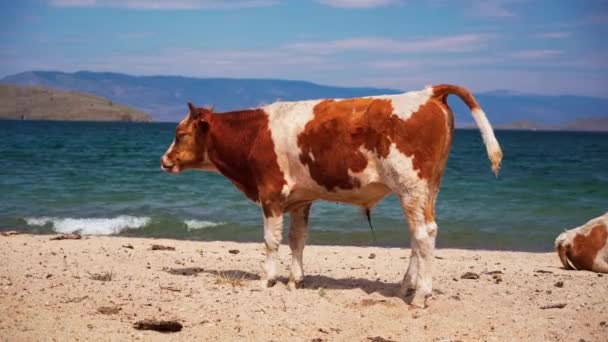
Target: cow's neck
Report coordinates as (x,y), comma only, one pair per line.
(231,137)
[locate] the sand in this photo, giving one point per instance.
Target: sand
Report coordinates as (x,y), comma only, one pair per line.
(96,288)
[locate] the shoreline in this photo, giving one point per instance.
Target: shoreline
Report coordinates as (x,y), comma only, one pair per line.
(56,289)
(314,240)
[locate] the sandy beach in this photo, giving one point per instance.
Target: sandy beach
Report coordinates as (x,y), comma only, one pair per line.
(96,288)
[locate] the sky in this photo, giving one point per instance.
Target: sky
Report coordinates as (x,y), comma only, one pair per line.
(554,47)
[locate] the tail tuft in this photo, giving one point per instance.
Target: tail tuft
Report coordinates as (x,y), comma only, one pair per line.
(496,159)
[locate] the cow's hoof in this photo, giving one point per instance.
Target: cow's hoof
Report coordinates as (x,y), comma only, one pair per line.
(405,291)
(293,285)
(266,283)
(418,301)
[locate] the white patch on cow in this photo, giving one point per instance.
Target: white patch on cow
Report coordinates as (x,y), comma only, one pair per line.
(169,149)
(286,120)
(406,104)
(285,190)
(601,260)
(564,238)
(370,173)
(273,227)
(397,171)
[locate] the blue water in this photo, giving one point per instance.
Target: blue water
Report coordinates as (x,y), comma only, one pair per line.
(104,178)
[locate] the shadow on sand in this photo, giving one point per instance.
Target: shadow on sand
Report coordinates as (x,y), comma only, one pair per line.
(310,282)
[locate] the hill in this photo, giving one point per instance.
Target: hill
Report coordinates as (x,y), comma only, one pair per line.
(42,103)
(165,97)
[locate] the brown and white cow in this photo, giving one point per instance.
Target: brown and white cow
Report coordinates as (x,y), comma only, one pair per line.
(286,155)
(585,247)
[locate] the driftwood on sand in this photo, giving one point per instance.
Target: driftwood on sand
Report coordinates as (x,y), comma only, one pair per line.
(73,236)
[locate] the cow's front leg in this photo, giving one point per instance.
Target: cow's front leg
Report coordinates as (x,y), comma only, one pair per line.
(298,232)
(273,227)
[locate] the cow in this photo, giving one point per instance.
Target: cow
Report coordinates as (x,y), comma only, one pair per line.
(286,155)
(585,247)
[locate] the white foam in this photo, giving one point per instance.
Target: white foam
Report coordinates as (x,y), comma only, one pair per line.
(90,226)
(196,224)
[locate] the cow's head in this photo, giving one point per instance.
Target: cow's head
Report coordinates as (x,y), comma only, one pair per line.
(189,148)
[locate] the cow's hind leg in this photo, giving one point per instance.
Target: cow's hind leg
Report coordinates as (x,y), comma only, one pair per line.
(298,232)
(423,231)
(273,227)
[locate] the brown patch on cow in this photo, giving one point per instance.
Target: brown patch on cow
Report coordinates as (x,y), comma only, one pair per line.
(340,128)
(584,248)
(241,147)
(333,139)
(429,212)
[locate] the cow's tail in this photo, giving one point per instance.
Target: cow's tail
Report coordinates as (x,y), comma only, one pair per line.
(492,146)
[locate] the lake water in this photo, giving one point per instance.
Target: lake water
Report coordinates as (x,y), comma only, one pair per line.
(104,178)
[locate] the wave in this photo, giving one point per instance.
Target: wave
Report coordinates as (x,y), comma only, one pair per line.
(196,224)
(90,226)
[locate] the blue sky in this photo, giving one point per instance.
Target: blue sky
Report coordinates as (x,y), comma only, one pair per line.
(532,46)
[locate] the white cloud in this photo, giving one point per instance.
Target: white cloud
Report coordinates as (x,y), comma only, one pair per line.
(359,3)
(536,54)
(492,9)
(164,4)
(555,35)
(434,62)
(200,4)
(457,43)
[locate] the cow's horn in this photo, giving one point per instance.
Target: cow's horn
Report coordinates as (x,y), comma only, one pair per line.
(193,111)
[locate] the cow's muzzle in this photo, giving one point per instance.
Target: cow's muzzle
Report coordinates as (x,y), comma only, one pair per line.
(167,165)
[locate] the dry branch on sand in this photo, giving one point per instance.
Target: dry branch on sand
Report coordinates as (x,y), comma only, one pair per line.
(156,325)
(103,276)
(162,248)
(73,236)
(229,278)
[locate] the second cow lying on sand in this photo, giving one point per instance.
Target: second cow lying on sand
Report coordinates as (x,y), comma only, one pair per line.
(286,155)
(585,247)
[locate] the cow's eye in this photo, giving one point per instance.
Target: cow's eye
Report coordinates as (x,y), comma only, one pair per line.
(180,136)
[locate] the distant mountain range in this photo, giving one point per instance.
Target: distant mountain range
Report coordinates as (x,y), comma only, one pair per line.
(593,124)
(42,103)
(165,97)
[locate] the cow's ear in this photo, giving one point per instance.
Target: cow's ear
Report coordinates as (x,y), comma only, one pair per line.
(193,111)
